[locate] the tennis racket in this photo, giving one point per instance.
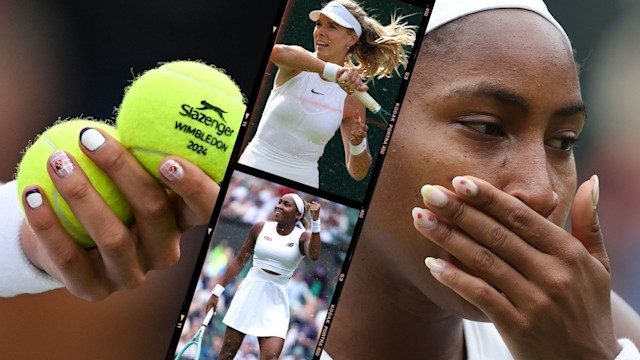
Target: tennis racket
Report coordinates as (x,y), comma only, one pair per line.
(371,104)
(196,340)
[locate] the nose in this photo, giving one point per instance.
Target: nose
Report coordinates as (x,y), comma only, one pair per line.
(529,178)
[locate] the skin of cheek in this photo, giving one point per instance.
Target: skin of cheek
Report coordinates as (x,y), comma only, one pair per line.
(416,153)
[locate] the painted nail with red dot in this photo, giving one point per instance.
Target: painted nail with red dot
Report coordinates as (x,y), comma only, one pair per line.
(61,163)
(424,218)
(465,186)
(172,170)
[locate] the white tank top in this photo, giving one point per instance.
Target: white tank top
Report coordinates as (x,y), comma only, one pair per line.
(299,119)
(275,252)
(482,340)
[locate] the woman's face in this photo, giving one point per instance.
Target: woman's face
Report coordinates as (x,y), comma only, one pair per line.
(331,41)
(499,101)
(286,209)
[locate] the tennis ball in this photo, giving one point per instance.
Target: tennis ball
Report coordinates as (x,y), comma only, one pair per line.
(184,108)
(32,170)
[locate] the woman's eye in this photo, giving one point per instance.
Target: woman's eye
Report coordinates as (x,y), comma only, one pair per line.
(563,143)
(484,128)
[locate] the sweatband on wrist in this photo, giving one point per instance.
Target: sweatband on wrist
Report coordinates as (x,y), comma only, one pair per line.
(217,290)
(629,350)
(18,274)
(358,149)
(330,72)
(315,226)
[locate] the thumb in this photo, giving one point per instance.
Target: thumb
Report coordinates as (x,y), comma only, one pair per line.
(585,225)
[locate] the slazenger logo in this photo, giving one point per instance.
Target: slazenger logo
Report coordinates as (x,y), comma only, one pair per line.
(199,114)
(207,106)
(267,238)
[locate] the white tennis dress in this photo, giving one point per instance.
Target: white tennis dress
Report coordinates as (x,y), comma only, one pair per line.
(299,119)
(260,306)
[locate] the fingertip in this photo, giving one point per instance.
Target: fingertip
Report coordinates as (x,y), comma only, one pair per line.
(435,265)
(171,170)
(92,139)
(595,191)
(61,163)
(33,197)
(424,218)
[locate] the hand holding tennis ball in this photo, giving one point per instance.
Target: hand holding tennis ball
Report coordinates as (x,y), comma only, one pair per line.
(183,108)
(32,170)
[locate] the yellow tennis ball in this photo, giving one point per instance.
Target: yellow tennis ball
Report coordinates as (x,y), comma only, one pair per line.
(184,108)
(32,170)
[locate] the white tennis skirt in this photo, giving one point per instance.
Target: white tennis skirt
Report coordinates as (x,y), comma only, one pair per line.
(260,306)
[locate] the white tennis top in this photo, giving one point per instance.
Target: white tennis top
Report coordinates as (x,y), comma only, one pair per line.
(483,342)
(275,252)
(299,119)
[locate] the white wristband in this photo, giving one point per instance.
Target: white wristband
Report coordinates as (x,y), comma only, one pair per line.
(358,149)
(217,290)
(315,226)
(629,350)
(330,72)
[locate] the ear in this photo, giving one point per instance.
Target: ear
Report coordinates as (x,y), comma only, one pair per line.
(353,39)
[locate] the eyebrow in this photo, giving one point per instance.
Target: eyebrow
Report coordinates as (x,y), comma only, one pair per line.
(511,98)
(572,109)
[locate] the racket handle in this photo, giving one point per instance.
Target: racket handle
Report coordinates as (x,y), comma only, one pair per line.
(207,318)
(368,101)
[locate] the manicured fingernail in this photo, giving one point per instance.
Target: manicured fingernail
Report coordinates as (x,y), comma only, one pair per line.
(433,195)
(465,186)
(172,170)
(596,190)
(424,218)
(434,265)
(61,163)
(34,198)
(91,139)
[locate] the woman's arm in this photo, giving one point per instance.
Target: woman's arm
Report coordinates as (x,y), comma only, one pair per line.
(354,139)
(291,60)
(235,265)
(244,254)
(17,274)
(311,241)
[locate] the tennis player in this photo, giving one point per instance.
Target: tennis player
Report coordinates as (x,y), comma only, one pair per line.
(489,121)
(260,306)
(312,94)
